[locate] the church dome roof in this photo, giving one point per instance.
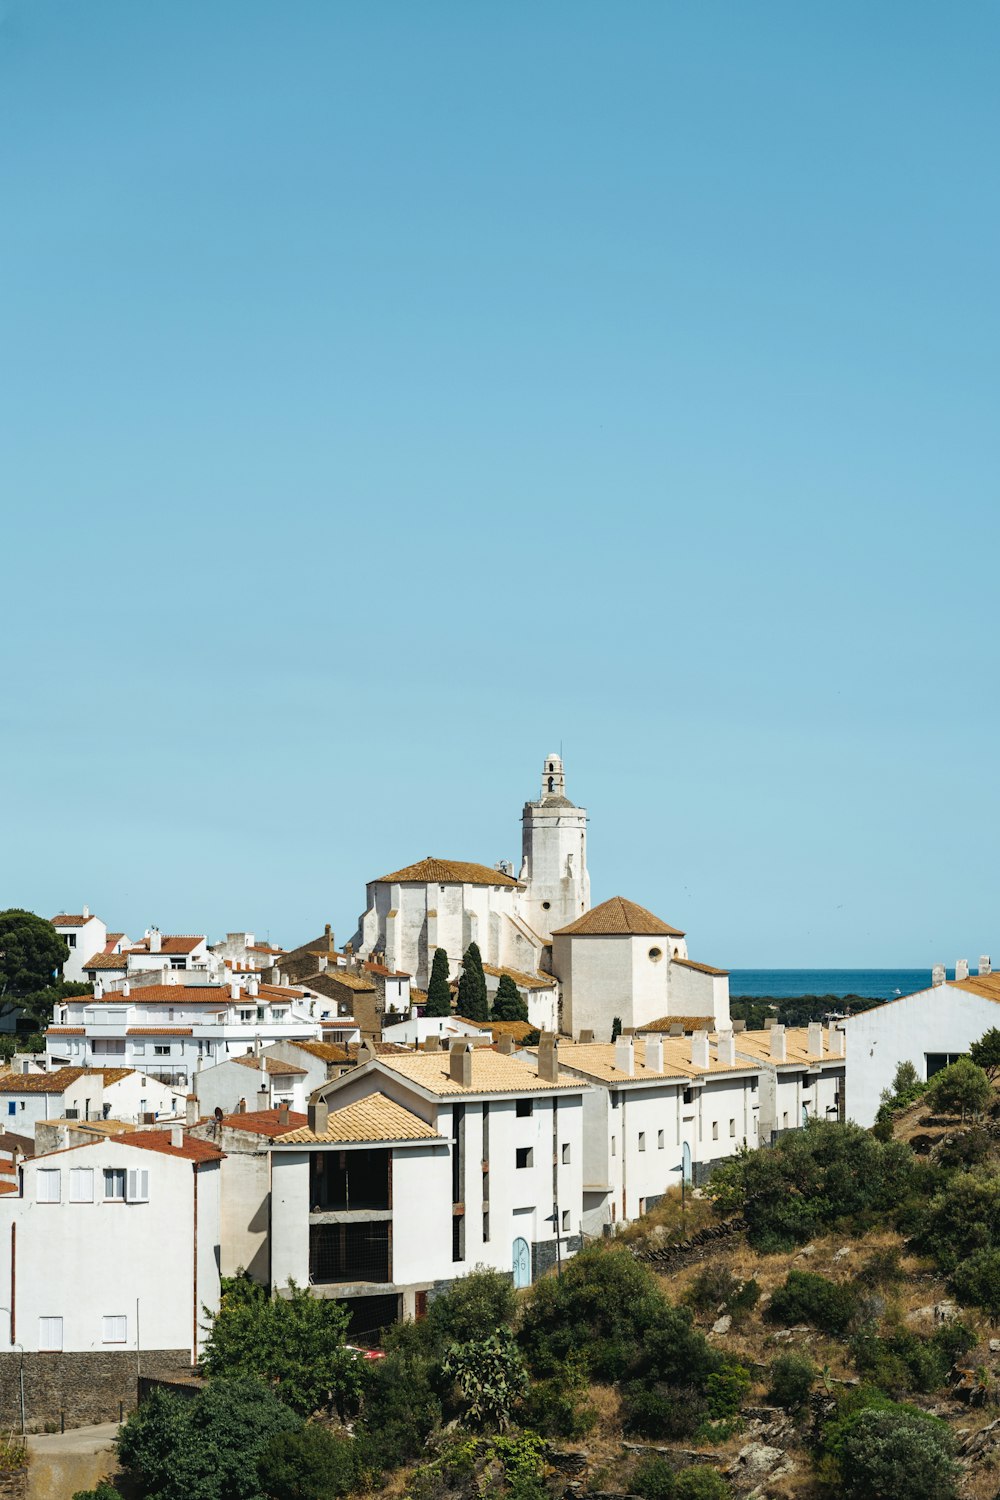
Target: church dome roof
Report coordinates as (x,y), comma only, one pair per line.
(431,871)
(618,917)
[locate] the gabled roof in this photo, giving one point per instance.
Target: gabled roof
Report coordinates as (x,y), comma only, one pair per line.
(115,961)
(161,994)
(375,1118)
(517,1030)
(618,917)
(326,1051)
(40,1083)
(66,920)
(523,981)
(272,1064)
(492,1073)
(431,871)
(160,1140)
(346,977)
(265,1122)
(177,944)
(597,1060)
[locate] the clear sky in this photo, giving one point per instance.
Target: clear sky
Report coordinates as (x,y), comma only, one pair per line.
(394,392)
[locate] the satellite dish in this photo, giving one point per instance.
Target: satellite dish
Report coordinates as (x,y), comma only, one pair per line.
(218,1112)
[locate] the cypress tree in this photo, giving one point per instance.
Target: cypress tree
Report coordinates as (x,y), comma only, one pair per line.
(508,1004)
(473,1002)
(438,991)
(616,1028)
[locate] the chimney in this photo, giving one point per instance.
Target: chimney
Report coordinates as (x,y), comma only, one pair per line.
(779,1050)
(548,1057)
(126,988)
(432,1043)
(98,989)
(86,913)
(283,1114)
(177,1136)
(154,940)
(985,967)
(253,988)
(587,1035)
(241,1108)
(676,1029)
(460,1062)
(699,1049)
(938,975)
(366,1053)
(961,968)
(625,1055)
(318,1115)
(505,1046)
(740,1025)
(328,933)
(234,991)
(191,1109)
(725,1048)
(322,964)
(814,1037)
(653,1056)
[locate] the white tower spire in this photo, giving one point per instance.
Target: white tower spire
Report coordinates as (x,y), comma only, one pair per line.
(554,855)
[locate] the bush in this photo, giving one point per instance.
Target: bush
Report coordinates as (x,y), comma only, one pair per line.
(490,1374)
(727,1389)
(960,1089)
(977,1281)
(475,1306)
(559,1407)
(102,1491)
(655,1411)
(882,1268)
(399,1408)
(313,1464)
(700,1483)
(807,1298)
(792,1378)
(715,1288)
(883,1455)
(826,1174)
(653,1478)
(962,1217)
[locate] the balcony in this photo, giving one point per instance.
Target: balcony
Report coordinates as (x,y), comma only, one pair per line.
(350,1181)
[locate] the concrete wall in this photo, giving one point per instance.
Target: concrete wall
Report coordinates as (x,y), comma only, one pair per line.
(694,993)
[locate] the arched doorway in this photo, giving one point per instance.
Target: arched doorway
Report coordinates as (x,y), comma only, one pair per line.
(522,1263)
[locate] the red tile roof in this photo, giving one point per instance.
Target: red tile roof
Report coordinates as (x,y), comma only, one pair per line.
(178,944)
(272,1064)
(159,1140)
(159,1031)
(107,960)
(66,1031)
(65,920)
(166,994)
(265,1122)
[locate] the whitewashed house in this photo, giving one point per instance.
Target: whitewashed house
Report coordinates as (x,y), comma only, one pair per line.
(802,1071)
(649,1100)
(255,1081)
(84,1094)
(84,934)
(415,1168)
(930,1029)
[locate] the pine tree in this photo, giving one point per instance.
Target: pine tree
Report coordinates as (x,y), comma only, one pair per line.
(507,1002)
(473,1002)
(438,990)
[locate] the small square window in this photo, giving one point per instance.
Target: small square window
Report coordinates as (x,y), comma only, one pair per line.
(565,1153)
(659,1140)
(642,1140)
(689,1096)
(114,1329)
(523,1108)
(114,1184)
(81,1185)
(161,1049)
(565,1221)
(525,1156)
(48,1185)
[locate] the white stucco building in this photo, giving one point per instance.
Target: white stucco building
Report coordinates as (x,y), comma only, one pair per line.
(255,1081)
(802,1073)
(930,1029)
(84,934)
(554,876)
(84,1094)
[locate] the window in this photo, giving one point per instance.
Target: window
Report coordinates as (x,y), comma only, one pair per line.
(139,1049)
(161,1049)
(247,1015)
(935,1061)
(689,1096)
(565,1221)
(11,1107)
(47,1185)
(50,1336)
(642,1140)
(81,1185)
(523,1108)
(458,1237)
(784,1120)
(71,939)
(732,1127)
(715,1130)
(137,1185)
(114,1328)
(525,1157)
(114,1184)
(486,1226)
(659,1140)
(178,963)
(655,954)
(565,1154)
(614,1146)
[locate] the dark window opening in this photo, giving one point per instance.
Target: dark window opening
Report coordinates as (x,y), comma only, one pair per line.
(523,1108)
(552,783)
(458,1155)
(370,1316)
(458,1237)
(349,1252)
(938,1060)
(525,1156)
(349,1180)
(689,1096)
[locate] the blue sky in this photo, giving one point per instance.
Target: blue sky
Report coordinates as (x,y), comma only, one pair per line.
(396,392)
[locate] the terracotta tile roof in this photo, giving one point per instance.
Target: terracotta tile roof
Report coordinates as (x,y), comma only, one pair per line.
(349,980)
(112,939)
(271,1064)
(66,1031)
(417,997)
(159,1031)
(165,994)
(264,948)
(7,1167)
(65,920)
(177,944)
(618,917)
(325,1051)
(492,1073)
(40,1083)
(265,1122)
(371,968)
(112,1075)
(690,1023)
(116,961)
(281,992)
(538,981)
(797,1054)
(597,1060)
(689,963)
(518,1030)
(9,1140)
(159,1140)
(431,871)
(376,1118)
(388,1049)
(8,1187)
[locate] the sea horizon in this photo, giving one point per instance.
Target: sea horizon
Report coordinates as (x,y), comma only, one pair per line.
(880,984)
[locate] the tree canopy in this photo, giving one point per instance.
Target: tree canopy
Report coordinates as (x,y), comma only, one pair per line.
(473,1001)
(508,1002)
(960,1089)
(31,954)
(438,989)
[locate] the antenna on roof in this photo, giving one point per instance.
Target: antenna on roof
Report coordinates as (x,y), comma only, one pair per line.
(218,1112)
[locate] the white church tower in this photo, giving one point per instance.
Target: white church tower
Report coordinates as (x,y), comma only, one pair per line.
(554,856)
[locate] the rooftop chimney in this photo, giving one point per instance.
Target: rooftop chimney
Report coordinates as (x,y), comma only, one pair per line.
(699,1049)
(625,1055)
(837,1039)
(234,991)
(726,1049)
(283,1113)
(86,913)
(98,989)
(154,940)
(318,1115)
(177,1136)
(586,1035)
(548,1057)
(985,967)
(961,968)
(126,987)
(740,1025)
(460,1062)
(505,1046)
(328,933)
(938,974)
(191,1109)
(253,988)
(779,1047)
(653,1056)
(814,1038)
(675,1029)
(432,1043)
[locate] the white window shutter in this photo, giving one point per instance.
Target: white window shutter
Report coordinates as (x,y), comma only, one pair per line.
(132,1184)
(144,1184)
(138,1185)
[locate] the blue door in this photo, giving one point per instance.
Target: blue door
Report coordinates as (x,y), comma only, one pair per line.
(522,1263)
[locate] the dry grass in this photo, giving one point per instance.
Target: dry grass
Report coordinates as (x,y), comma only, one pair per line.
(670,1220)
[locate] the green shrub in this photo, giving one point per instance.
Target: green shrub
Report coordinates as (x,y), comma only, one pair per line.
(882,1268)
(558,1407)
(653,1478)
(902,1360)
(961,1089)
(792,1378)
(313,1464)
(715,1288)
(963,1216)
(400,1407)
(893,1453)
(807,1298)
(727,1389)
(700,1483)
(977,1281)
(101,1491)
(473,1308)
(656,1411)
(966,1148)
(490,1374)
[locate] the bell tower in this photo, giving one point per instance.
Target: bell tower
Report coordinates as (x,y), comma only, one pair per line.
(553,855)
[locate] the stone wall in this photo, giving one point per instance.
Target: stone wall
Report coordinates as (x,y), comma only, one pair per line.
(78,1389)
(543,1253)
(13,1484)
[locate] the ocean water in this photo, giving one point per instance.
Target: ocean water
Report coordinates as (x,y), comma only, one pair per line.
(782,984)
